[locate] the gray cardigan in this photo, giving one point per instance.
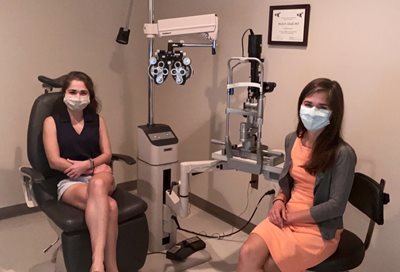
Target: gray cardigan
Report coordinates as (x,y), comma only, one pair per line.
(331,191)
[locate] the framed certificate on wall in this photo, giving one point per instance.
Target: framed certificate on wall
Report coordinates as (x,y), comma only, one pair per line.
(288,25)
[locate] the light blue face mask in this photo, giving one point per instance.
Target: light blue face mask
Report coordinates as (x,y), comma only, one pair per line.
(314,119)
(75,103)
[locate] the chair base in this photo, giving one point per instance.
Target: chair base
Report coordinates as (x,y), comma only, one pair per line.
(131,247)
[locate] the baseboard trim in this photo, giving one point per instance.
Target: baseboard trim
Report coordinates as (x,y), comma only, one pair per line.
(206,206)
(220,213)
(224,215)
(16,210)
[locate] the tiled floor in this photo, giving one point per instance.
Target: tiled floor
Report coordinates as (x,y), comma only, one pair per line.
(23,238)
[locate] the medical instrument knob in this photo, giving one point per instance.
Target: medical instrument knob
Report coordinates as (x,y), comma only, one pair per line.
(159,79)
(179,80)
(186,61)
(152,60)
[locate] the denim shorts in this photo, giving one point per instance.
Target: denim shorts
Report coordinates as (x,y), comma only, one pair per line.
(64,184)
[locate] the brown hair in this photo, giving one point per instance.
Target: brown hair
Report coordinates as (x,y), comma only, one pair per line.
(81,76)
(328,142)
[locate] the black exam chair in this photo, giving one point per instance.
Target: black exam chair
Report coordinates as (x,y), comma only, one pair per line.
(69,222)
(367,196)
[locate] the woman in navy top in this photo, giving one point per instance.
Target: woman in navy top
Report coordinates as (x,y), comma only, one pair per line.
(77,145)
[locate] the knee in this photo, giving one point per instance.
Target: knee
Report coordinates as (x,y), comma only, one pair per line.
(246,252)
(253,253)
(97,185)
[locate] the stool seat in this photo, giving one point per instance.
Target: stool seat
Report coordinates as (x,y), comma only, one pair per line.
(349,254)
(368,196)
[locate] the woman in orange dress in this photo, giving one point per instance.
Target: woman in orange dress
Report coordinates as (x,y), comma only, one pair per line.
(304,224)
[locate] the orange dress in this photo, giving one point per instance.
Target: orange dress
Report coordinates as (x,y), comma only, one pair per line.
(297,247)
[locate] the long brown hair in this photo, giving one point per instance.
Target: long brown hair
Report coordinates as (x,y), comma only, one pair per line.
(81,76)
(326,145)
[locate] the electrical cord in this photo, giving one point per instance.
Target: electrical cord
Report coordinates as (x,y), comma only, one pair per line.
(244,33)
(247,202)
(157,252)
(270,192)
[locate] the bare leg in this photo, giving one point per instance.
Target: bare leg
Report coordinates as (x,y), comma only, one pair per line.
(112,235)
(94,199)
(253,254)
(97,214)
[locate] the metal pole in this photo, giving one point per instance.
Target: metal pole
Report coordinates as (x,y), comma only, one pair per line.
(149,81)
(128,19)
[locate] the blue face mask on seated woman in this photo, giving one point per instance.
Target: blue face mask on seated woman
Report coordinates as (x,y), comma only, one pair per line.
(314,119)
(75,102)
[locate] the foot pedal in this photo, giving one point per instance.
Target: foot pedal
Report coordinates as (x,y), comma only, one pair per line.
(185,248)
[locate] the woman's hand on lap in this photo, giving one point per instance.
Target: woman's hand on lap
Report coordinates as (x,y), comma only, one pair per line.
(77,168)
(277,214)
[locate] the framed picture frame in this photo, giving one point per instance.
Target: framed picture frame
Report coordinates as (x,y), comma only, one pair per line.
(288,25)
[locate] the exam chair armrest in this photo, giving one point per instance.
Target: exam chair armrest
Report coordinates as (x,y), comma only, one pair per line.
(37,189)
(122,157)
(34,175)
(29,178)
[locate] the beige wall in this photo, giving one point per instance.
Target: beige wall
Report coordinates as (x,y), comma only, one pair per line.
(45,37)
(355,42)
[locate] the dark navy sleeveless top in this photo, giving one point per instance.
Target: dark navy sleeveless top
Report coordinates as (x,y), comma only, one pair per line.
(76,146)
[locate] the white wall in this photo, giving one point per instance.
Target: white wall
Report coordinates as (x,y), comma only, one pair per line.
(45,37)
(354,42)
